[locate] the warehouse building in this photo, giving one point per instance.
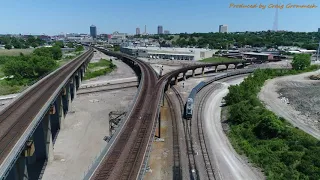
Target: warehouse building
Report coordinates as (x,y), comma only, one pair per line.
(191,54)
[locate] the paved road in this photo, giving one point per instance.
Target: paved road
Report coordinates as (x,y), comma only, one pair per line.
(229,164)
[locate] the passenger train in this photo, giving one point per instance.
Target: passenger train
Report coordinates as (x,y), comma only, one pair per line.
(189,105)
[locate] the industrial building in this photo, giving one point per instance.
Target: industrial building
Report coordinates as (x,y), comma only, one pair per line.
(168,53)
(93,31)
(166,32)
(223,29)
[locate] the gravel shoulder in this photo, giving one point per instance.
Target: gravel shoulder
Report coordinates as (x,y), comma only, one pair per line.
(303,97)
(230,165)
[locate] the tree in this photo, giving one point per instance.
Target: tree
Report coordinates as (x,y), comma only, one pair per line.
(79,48)
(43,51)
(8,46)
(116,48)
(269,127)
(59,43)
(301,61)
(70,45)
(56,52)
(51,52)
(28,68)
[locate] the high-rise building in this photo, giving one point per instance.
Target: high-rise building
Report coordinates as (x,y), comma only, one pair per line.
(160,30)
(166,32)
(137,31)
(223,29)
(93,31)
(319,30)
(145,29)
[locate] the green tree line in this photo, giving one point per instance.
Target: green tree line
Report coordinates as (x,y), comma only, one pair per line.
(21,43)
(282,151)
(24,69)
(268,39)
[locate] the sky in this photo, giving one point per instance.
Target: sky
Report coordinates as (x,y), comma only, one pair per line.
(75,16)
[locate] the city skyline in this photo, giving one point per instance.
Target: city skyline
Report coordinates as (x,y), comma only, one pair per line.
(71,16)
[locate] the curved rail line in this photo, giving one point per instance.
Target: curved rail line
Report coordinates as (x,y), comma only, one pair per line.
(177,174)
(201,136)
(16,118)
(126,155)
(193,171)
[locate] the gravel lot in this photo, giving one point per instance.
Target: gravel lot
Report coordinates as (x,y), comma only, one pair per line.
(303,96)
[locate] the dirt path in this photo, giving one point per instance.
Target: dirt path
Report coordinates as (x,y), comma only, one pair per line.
(230,164)
(304,101)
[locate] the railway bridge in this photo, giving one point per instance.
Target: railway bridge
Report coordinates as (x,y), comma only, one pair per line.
(29,125)
(128,151)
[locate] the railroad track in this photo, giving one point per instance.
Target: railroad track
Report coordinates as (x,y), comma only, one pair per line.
(210,171)
(193,171)
(128,151)
(16,118)
(177,174)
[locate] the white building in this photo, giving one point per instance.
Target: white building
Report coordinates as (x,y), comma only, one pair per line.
(223,29)
(169,53)
(117,38)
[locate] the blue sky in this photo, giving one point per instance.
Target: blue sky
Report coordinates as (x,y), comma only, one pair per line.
(56,16)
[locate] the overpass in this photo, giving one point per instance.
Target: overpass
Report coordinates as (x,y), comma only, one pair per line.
(128,150)
(29,125)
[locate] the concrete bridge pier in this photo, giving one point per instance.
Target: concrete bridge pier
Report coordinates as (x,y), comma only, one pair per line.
(20,170)
(77,80)
(54,119)
(202,71)
(70,95)
(60,110)
(65,99)
(48,137)
(235,66)
(72,89)
(184,76)
(193,72)
(81,74)
(176,80)
(216,69)
(227,66)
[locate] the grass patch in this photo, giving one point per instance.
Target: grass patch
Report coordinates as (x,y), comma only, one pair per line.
(218,59)
(100,68)
(270,142)
(6,88)
(15,52)
(1,72)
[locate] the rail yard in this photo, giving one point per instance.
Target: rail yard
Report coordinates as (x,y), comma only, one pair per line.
(127,152)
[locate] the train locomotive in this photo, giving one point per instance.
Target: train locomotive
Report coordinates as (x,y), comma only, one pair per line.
(190,102)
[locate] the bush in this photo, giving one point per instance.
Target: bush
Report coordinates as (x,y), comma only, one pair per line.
(79,48)
(301,61)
